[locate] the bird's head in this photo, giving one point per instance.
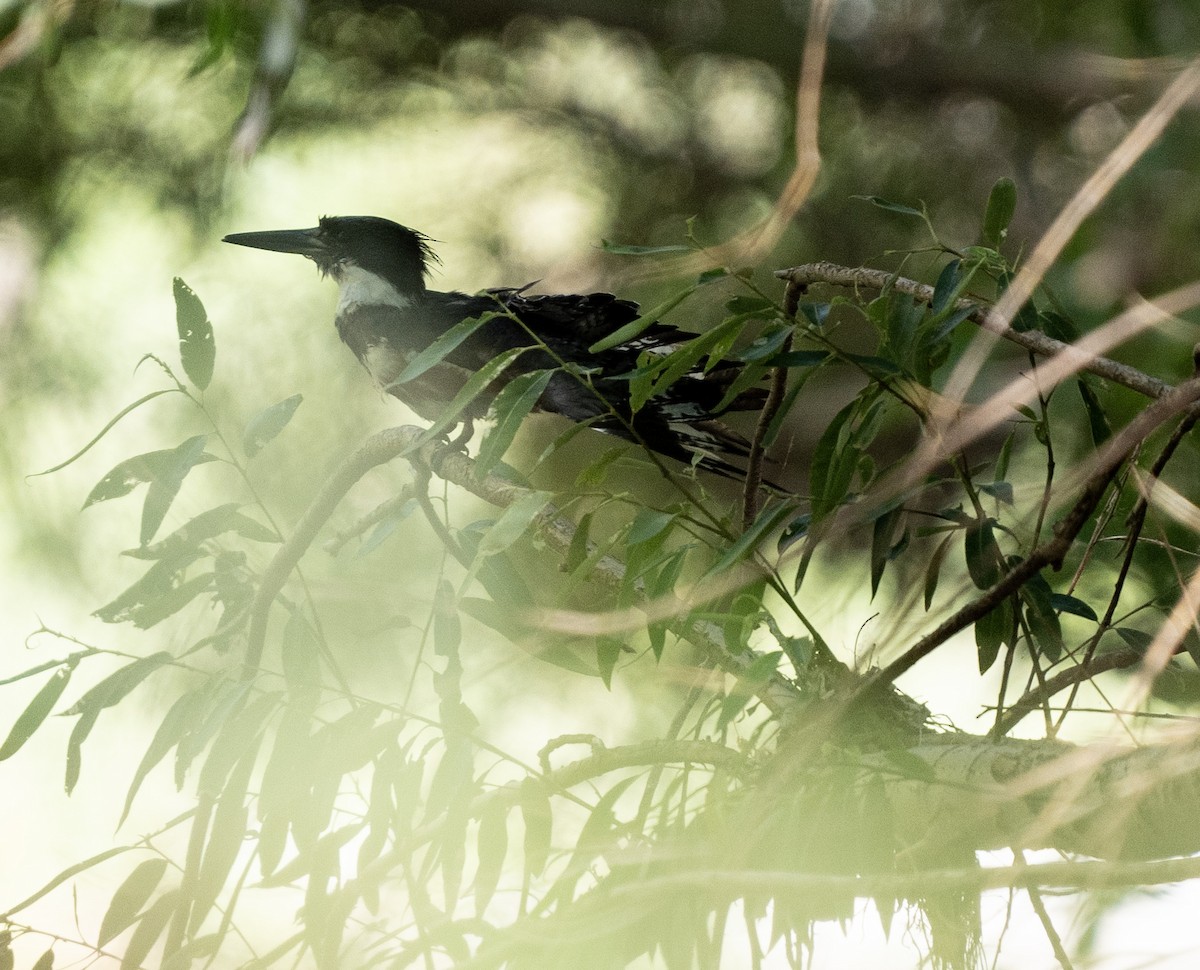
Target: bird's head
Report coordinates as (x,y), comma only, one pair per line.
(340,244)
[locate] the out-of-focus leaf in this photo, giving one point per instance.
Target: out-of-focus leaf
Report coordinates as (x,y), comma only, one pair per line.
(621,249)
(608,652)
(1001,204)
(225,839)
(1097,419)
(535,813)
(169,733)
(127,475)
(267,424)
(984,558)
(117,685)
(1139,640)
(747,685)
(36,711)
(206,525)
(149,928)
(300,654)
(492,848)
(130,897)
(897,207)
(513,522)
(165,485)
(197,348)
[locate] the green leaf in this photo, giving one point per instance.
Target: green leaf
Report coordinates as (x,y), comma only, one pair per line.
(665,371)
(36,711)
(905,210)
(535,813)
(768,519)
(744,303)
(947,286)
(116,686)
(156,593)
(197,348)
(300,655)
(172,729)
(597,833)
(447,627)
(265,425)
(1040,615)
(991,631)
(1139,640)
(510,408)
(1097,419)
(206,525)
(225,839)
(983,554)
(620,249)
(760,671)
(1001,204)
(608,652)
(149,928)
(647,524)
(130,897)
(578,550)
(127,475)
(474,386)
(441,348)
(492,846)
(764,346)
(644,322)
(1070,604)
(166,484)
(881,544)
(934,569)
(513,522)
(103,431)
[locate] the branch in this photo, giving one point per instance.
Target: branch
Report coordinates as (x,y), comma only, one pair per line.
(1032,340)
(1114,453)
(778,695)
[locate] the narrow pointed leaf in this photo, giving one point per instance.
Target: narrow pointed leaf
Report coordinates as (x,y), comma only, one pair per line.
(513,522)
(644,322)
(267,424)
(437,351)
(165,486)
(149,928)
(36,711)
(510,408)
(492,848)
(1001,204)
(130,897)
(176,721)
(535,813)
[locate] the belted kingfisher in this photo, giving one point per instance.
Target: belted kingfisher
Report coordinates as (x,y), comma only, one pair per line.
(386,315)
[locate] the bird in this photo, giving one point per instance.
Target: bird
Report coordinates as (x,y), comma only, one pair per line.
(387,314)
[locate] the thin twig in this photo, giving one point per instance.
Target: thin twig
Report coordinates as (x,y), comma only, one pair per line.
(1115,451)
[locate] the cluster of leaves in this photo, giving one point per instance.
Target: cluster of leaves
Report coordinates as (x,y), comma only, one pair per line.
(301,782)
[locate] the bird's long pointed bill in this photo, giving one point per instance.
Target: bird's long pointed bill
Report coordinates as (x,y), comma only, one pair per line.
(306,242)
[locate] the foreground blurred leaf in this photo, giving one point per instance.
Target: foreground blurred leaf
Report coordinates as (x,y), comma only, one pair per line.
(265,425)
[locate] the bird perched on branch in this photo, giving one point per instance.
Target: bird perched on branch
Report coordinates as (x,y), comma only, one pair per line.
(387,316)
